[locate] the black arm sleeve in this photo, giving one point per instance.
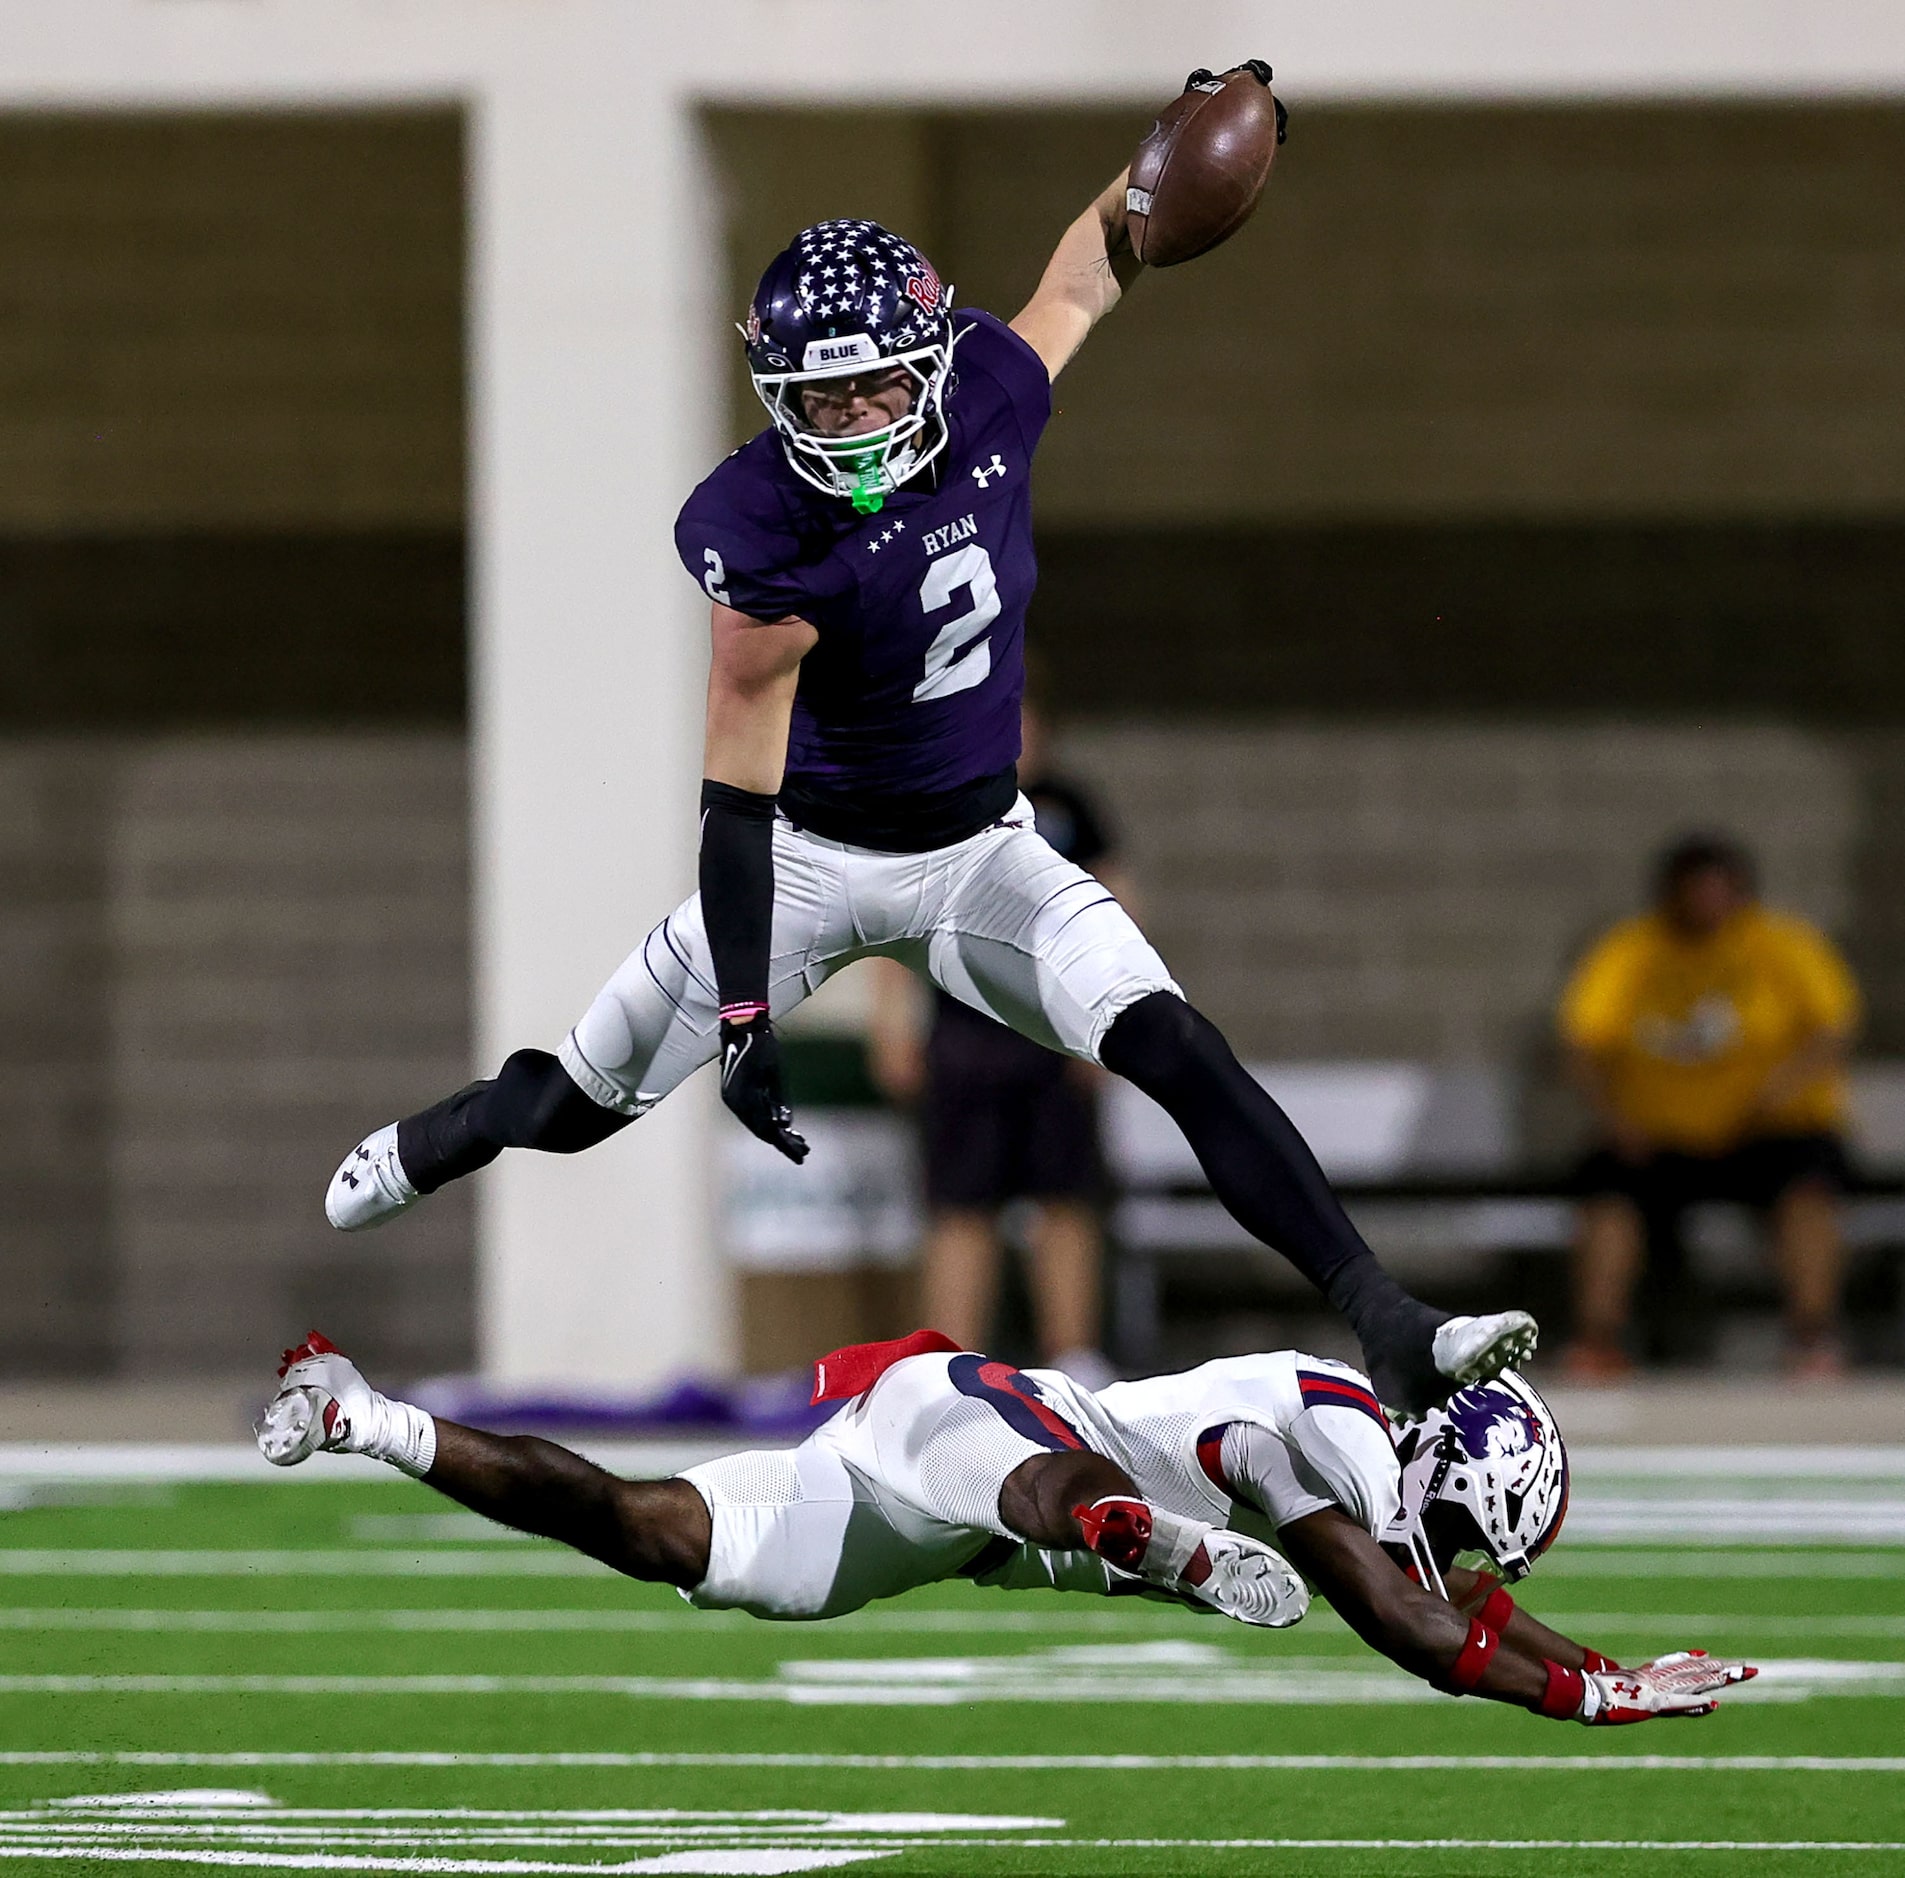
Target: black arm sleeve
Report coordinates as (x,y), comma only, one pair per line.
(737,893)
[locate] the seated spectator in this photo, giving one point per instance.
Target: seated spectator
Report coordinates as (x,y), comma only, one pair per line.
(1003,1119)
(1710,1037)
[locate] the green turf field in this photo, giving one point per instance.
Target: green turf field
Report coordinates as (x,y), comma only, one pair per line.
(353,1676)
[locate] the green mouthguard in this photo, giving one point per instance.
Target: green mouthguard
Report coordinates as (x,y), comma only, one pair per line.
(868,497)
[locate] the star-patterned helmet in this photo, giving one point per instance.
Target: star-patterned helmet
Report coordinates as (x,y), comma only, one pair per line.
(1486,1474)
(849,299)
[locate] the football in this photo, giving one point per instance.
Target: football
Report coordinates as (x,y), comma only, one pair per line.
(1198,174)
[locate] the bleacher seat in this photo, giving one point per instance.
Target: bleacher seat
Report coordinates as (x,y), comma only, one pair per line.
(1429,1156)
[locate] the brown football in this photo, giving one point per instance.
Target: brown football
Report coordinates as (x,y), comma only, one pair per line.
(1198,174)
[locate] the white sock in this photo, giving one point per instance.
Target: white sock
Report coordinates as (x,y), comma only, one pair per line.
(399,1433)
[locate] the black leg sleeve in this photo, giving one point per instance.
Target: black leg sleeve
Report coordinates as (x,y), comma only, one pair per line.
(530,1103)
(1269,1181)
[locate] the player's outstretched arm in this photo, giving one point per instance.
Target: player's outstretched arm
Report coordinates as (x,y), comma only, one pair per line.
(752,676)
(1430,1638)
(1086,277)
(1481,1596)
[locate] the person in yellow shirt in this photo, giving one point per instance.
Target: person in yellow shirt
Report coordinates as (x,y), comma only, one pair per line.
(1709,1036)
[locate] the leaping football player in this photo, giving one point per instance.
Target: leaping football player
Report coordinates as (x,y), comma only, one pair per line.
(1224,1489)
(868,562)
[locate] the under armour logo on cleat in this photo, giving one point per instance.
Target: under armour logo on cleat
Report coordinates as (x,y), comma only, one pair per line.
(993,469)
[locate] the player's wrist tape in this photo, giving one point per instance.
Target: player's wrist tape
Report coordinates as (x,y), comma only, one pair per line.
(1472,1660)
(1595,1662)
(742,1013)
(1497,1608)
(1565,1698)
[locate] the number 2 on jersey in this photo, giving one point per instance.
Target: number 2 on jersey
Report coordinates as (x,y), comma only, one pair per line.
(946,671)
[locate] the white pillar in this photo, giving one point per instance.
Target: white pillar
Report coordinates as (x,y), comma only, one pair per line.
(593,415)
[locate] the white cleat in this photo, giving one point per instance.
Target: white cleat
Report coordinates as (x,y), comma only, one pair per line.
(322,1401)
(1249,1581)
(371,1186)
(1476,1349)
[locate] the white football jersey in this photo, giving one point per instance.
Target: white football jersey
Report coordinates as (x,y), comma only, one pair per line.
(1251,1442)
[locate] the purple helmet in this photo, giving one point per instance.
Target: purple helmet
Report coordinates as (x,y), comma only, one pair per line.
(847,298)
(1486,1473)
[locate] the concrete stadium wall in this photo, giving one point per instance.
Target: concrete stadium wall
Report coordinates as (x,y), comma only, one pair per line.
(222,321)
(224,957)
(1418,890)
(232,469)
(1670,310)
(1445,317)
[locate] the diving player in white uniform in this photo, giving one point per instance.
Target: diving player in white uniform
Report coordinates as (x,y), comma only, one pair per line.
(942,1463)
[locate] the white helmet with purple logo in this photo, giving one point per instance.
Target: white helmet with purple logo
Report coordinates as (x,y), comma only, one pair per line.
(1487,1474)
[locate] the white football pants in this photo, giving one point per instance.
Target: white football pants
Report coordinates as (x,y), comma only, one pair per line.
(901,1488)
(1000,920)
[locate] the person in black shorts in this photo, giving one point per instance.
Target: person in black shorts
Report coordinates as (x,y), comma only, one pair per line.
(1002,1119)
(1709,1035)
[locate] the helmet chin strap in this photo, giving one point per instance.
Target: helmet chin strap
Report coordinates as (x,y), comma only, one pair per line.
(1415,1535)
(1423,1557)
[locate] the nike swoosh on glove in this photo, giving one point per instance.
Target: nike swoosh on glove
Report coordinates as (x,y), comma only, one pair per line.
(1687,1682)
(751,1085)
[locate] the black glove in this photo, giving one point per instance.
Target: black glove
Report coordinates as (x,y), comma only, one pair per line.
(751,1085)
(1259,69)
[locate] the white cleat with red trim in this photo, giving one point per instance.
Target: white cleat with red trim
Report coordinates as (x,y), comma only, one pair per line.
(324,1406)
(322,1400)
(1231,1572)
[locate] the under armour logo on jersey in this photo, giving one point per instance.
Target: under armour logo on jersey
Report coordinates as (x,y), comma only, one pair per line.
(995,468)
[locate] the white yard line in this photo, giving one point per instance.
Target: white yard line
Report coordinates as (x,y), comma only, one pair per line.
(1124,1622)
(1698,1519)
(1593,1465)
(742,1860)
(1636,1622)
(1570,1561)
(211,1462)
(370,1562)
(162,1814)
(535,1561)
(795,1859)
(1160,1672)
(232,1830)
(1432,1845)
(961,1763)
(1121,1620)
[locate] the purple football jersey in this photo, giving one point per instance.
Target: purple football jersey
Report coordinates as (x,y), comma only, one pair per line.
(906,720)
